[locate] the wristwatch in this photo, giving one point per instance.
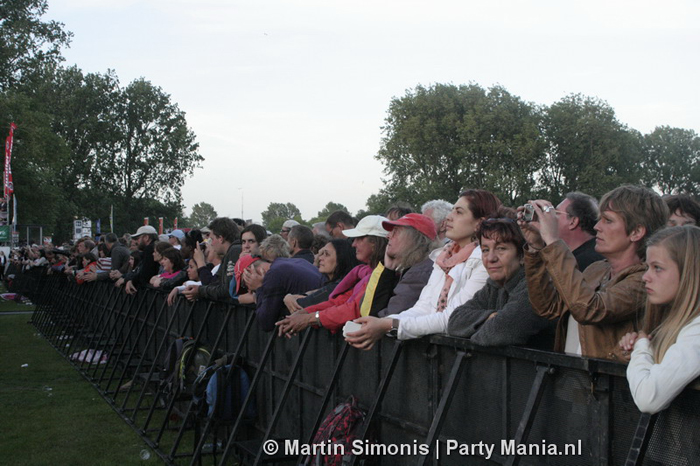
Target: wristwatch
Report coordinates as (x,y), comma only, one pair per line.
(318,319)
(394,328)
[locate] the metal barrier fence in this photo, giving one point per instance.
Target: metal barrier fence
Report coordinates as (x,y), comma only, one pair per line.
(438,400)
(26,283)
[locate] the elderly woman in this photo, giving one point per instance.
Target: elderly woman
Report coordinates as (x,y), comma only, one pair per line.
(369,241)
(500,314)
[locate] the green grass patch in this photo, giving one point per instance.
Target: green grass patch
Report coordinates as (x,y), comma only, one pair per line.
(51,415)
(11,306)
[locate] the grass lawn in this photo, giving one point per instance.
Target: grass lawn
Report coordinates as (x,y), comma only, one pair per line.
(51,415)
(11,306)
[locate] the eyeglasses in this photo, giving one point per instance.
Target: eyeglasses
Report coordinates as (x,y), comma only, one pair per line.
(285,230)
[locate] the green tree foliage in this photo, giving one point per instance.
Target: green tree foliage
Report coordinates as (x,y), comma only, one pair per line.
(672,160)
(27,44)
(155,150)
(326,211)
(37,157)
(277,213)
(202,215)
(83,142)
(441,139)
(588,149)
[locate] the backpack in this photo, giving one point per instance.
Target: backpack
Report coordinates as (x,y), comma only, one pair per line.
(177,374)
(220,396)
(338,428)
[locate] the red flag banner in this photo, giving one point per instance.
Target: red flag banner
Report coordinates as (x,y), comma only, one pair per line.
(9,187)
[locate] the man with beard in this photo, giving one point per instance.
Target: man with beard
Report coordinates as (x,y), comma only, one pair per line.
(145,238)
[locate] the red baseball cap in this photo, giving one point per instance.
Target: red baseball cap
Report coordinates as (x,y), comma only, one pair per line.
(420,222)
(243,263)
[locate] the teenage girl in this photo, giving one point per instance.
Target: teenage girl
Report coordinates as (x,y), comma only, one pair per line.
(666,354)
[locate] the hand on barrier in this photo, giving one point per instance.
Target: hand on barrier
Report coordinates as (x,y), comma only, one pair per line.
(627,342)
(172,295)
(130,288)
(295,323)
(291,302)
(373,329)
(191,292)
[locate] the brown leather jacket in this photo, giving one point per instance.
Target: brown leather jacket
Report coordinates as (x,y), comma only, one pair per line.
(606,309)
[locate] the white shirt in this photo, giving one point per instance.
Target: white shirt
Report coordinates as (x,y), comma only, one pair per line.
(423,319)
(654,386)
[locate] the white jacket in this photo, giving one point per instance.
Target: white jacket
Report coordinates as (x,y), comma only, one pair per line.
(422,319)
(654,386)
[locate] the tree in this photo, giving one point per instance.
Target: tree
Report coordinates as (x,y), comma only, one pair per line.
(37,157)
(97,145)
(202,215)
(441,139)
(277,213)
(155,151)
(326,211)
(588,149)
(28,45)
(672,160)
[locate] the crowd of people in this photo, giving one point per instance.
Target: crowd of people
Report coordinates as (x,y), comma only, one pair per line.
(616,279)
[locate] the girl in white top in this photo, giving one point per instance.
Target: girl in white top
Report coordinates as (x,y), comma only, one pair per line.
(458,273)
(666,356)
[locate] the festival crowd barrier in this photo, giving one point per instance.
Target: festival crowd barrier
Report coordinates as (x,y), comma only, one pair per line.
(437,400)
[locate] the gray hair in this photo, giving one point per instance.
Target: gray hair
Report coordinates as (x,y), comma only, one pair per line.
(439,210)
(418,249)
(320,229)
(274,246)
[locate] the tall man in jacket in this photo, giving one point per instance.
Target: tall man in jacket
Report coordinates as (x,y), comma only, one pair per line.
(145,237)
(224,233)
(598,306)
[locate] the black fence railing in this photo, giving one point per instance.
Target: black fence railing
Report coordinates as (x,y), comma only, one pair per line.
(438,400)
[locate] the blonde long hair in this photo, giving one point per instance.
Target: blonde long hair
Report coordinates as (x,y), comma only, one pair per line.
(665,321)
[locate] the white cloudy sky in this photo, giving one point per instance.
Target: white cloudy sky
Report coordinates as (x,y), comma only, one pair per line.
(287,97)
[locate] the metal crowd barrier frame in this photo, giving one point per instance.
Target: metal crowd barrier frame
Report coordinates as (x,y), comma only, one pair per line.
(437,400)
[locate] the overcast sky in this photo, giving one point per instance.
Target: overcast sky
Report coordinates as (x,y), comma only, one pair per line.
(287,98)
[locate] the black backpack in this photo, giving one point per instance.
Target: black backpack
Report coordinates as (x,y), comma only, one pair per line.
(177,373)
(220,396)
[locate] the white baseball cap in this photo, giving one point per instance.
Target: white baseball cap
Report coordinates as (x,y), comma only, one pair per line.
(371,225)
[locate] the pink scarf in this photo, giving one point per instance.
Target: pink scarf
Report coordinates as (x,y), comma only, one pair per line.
(451,255)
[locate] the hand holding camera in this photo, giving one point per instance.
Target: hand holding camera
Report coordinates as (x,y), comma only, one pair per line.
(538,221)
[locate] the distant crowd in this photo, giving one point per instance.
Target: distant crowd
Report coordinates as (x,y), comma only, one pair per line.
(616,279)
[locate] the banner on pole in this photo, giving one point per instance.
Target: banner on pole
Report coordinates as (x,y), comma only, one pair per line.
(9,187)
